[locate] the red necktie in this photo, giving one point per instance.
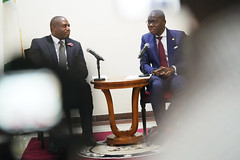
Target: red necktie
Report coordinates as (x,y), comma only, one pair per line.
(162,55)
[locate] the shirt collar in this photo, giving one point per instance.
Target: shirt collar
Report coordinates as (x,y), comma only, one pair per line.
(56,40)
(164,34)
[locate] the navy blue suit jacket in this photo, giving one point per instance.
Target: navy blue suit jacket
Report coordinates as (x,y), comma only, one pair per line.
(151,56)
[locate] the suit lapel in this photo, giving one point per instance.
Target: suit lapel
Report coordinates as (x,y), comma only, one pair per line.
(153,46)
(170,46)
(51,50)
(70,49)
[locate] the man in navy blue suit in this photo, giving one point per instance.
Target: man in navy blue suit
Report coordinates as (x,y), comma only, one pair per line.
(161,60)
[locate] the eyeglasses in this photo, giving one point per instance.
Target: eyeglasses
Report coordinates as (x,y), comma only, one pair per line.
(154,22)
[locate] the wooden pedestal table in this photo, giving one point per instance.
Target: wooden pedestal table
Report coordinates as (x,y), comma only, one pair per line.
(128,136)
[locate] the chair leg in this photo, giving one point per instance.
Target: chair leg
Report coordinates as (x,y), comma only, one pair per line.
(143,106)
(69,123)
(144,119)
(41,138)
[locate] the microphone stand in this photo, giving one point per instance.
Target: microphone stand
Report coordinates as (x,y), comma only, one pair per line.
(143,68)
(98,68)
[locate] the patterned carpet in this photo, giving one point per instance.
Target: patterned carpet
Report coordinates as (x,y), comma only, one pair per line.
(100,151)
(103,151)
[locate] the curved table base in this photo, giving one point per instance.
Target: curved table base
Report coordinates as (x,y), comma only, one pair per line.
(129,136)
(113,140)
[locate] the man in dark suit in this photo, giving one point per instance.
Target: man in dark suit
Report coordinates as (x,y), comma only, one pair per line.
(161,60)
(64,56)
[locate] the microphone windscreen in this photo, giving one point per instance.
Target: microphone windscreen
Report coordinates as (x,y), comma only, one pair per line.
(147,45)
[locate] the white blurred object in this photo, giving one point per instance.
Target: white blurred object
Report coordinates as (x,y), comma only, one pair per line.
(29,101)
(140,9)
(167,6)
(133,9)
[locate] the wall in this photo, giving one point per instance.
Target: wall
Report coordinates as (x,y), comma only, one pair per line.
(1,42)
(98,25)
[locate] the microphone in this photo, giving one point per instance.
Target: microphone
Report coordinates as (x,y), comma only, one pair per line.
(146,46)
(95,54)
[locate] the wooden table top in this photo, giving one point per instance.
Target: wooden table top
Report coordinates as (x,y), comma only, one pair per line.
(121,82)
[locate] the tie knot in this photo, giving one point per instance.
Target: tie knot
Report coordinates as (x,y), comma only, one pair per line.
(61,42)
(159,38)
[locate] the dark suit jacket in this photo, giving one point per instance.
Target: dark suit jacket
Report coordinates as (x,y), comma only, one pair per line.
(151,56)
(42,54)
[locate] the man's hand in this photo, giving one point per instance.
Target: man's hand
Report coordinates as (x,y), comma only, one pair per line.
(164,72)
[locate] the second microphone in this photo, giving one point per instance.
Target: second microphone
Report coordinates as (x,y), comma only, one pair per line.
(95,54)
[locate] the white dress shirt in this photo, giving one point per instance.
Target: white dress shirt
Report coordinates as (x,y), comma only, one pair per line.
(164,42)
(57,45)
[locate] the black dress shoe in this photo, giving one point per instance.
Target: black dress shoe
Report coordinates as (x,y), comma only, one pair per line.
(152,130)
(52,148)
(88,140)
(152,135)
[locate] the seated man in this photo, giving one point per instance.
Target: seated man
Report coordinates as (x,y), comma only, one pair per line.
(161,60)
(65,57)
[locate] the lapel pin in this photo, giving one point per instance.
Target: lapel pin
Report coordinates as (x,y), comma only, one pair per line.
(173,39)
(70,44)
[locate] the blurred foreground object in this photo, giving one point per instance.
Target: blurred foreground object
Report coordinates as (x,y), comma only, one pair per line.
(205,8)
(204,122)
(30,100)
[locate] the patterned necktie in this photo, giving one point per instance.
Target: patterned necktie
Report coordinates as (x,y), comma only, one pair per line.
(162,55)
(62,56)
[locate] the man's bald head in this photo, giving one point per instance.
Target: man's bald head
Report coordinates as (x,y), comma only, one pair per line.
(55,20)
(60,28)
(156,22)
(157,13)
